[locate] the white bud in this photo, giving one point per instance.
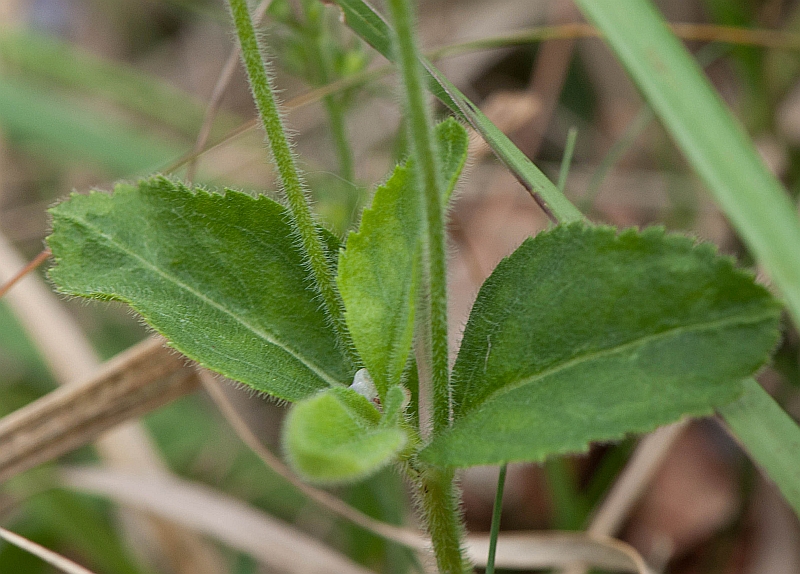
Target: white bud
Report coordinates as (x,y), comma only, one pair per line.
(364,386)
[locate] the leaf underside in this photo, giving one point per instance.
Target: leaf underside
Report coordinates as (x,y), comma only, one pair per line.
(219,275)
(380,269)
(335,437)
(584,334)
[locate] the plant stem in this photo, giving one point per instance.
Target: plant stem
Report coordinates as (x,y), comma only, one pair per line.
(569,506)
(321,69)
(496,512)
(566,161)
(440,505)
(293,186)
(425,157)
(437,491)
(340,140)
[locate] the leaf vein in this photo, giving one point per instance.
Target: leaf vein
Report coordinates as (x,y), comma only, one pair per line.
(268,337)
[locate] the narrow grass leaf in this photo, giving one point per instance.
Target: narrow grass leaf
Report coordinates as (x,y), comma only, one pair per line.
(335,437)
(380,270)
(584,334)
(220,275)
(45,57)
(54,126)
(770,437)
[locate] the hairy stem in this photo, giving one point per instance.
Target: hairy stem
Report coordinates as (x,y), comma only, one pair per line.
(439,501)
(293,186)
(437,491)
(422,145)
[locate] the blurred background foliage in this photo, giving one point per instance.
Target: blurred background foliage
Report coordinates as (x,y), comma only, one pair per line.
(94,91)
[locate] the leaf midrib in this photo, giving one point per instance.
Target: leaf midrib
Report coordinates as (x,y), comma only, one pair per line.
(610,351)
(269,338)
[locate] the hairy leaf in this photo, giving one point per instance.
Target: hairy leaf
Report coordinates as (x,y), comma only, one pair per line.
(221,276)
(335,437)
(380,270)
(585,335)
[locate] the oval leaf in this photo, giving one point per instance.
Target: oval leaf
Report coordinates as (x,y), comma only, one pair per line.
(335,437)
(585,335)
(380,269)
(221,276)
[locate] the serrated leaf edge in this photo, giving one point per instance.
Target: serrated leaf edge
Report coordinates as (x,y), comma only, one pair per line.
(269,338)
(687,244)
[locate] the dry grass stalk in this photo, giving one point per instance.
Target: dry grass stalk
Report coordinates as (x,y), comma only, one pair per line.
(278,545)
(134,383)
(71,358)
(48,556)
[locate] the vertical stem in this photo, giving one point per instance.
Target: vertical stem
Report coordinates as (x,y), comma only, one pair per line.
(496,512)
(425,157)
(440,505)
(566,161)
(437,492)
(569,506)
(322,73)
(340,140)
(293,186)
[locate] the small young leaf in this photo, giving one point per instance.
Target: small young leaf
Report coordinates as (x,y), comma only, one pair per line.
(397,399)
(380,269)
(335,437)
(452,142)
(585,335)
(221,276)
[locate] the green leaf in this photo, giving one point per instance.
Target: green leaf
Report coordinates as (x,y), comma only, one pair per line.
(452,142)
(724,157)
(221,276)
(770,437)
(380,270)
(585,335)
(335,437)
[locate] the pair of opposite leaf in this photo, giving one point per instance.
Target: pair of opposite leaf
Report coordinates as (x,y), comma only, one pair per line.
(582,334)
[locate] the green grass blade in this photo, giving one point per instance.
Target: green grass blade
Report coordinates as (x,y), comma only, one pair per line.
(496,512)
(40,56)
(55,126)
(566,161)
(714,144)
(770,437)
